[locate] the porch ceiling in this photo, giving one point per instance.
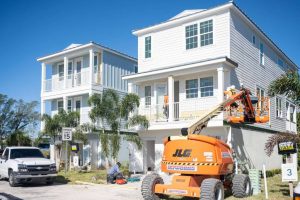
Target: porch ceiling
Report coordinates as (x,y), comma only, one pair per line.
(182,69)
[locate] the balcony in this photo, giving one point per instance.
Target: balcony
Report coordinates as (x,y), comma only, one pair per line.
(184,111)
(73,80)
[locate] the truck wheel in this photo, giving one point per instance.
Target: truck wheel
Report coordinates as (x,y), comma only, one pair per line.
(148,186)
(50,182)
(212,189)
(11,179)
(241,186)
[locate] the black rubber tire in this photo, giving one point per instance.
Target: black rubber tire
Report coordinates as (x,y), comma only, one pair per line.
(148,186)
(241,186)
(50,182)
(11,179)
(212,189)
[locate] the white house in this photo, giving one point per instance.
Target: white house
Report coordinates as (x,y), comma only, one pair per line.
(192,58)
(70,76)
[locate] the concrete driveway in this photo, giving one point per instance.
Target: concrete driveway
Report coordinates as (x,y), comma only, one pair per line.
(129,191)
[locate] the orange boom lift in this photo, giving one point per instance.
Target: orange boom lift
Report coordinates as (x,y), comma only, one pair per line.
(201,165)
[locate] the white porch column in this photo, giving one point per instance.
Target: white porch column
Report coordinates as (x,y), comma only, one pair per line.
(220,84)
(130,88)
(43,109)
(43,77)
(171,97)
(65,98)
(91,52)
(66,61)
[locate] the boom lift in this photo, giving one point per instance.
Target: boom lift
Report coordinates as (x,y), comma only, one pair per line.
(203,165)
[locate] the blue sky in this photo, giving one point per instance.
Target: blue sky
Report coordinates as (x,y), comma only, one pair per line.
(31,29)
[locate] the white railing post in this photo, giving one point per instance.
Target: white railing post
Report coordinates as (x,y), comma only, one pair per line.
(43,77)
(65,71)
(171,98)
(220,84)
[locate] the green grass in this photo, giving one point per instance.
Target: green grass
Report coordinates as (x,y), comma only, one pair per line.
(98,176)
(277,190)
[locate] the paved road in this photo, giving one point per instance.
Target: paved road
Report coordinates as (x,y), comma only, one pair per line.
(70,192)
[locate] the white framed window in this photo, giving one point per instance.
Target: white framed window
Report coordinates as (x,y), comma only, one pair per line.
(147,95)
(253,39)
(60,105)
(60,70)
(69,105)
(148,47)
(292,113)
(206,87)
(280,63)
(95,60)
(70,68)
(191,88)
(206,33)
(279,112)
(191,36)
(261,54)
(260,93)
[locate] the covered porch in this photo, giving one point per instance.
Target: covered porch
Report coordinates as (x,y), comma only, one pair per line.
(180,94)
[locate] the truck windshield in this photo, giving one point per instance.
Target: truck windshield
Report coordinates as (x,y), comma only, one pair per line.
(25,153)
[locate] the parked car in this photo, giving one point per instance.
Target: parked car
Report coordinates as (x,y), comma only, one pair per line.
(25,165)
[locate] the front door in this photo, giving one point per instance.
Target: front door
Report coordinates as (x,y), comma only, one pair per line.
(161,108)
(77,71)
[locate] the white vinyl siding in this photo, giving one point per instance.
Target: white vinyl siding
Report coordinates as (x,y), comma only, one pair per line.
(148,47)
(206,33)
(206,86)
(173,41)
(279,113)
(191,89)
(191,36)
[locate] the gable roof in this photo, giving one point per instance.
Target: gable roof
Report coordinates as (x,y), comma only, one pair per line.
(74,47)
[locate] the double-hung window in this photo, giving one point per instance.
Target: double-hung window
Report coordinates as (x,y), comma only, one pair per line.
(191,36)
(69,105)
(207,87)
(191,88)
(280,63)
(278,107)
(206,33)
(60,105)
(261,54)
(61,71)
(148,47)
(147,95)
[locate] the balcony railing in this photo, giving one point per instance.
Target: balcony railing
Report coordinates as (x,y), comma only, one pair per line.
(185,110)
(73,80)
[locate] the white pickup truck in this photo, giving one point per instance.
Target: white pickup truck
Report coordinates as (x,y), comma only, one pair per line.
(25,165)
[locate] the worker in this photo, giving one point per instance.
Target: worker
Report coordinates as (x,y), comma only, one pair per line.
(166,106)
(114,173)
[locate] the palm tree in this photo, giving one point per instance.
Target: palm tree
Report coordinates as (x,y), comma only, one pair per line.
(289,85)
(112,110)
(53,128)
